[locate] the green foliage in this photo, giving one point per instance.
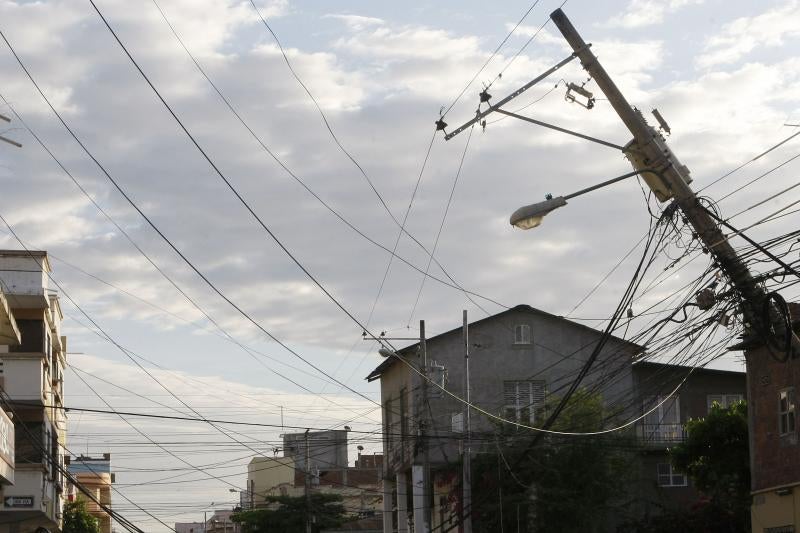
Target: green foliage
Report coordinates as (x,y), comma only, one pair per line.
(715,456)
(579,479)
(78,520)
(567,484)
(287,514)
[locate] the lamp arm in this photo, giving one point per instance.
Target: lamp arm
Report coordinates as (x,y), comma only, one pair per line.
(609,182)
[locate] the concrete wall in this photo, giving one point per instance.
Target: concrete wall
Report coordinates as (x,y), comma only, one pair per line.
(264,474)
(558,349)
(327,449)
(23,274)
(24,377)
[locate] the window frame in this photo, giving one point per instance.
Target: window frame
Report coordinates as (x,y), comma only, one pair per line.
(723,399)
(672,474)
(787,419)
(522,335)
(657,426)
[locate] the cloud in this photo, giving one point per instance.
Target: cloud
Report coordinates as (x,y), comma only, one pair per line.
(742,36)
(643,13)
(356,22)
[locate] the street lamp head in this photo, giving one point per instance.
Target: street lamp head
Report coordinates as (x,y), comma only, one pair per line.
(530,216)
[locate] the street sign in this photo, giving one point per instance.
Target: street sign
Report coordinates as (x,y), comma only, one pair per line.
(18,501)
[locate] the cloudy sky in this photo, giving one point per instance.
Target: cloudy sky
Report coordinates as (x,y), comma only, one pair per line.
(332,180)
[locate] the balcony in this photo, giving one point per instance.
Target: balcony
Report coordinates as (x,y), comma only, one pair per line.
(660,435)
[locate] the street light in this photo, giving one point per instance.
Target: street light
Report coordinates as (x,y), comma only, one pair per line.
(530,216)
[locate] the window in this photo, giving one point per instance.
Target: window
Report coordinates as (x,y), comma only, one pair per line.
(724,400)
(521,399)
(786,411)
(668,477)
(522,334)
(663,424)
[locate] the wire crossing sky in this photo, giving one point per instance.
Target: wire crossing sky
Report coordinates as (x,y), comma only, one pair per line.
(321,118)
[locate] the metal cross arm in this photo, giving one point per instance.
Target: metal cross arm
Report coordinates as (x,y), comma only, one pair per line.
(481,114)
(564,130)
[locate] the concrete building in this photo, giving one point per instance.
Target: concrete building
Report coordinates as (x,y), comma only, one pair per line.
(268,476)
(516,359)
(327,449)
(9,336)
(94,474)
(220,522)
(359,486)
(33,374)
(190,527)
(774,447)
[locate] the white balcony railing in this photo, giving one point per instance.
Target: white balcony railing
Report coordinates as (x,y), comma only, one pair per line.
(660,434)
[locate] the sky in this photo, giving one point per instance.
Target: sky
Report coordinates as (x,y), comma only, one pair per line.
(332,179)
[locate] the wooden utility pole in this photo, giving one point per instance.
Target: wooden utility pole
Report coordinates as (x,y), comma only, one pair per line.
(466,503)
(649,150)
(307,486)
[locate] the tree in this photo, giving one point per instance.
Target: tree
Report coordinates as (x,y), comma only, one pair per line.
(565,483)
(78,520)
(580,481)
(715,456)
(288,514)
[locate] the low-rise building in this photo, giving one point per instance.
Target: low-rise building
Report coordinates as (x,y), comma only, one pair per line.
(190,527)
(516,358)
(94,475)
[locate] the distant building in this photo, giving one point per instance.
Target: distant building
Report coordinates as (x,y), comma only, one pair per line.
(93,474)
(190,527)
(268,476)
(326,449)
(359,486)
(32,372)
(220,522)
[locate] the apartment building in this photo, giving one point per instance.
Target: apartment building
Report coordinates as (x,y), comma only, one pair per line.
(94,475)
(516,358)
(9,335)
(33,373)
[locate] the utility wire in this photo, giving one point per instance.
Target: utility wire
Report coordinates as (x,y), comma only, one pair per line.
(441,224)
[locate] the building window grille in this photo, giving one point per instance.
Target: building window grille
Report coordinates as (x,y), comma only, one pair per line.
(522,334)
(668,477)
(786,411)
(724,400)
(522,399)
(662,424)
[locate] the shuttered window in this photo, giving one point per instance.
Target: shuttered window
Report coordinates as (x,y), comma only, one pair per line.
(522,334)
(522,399)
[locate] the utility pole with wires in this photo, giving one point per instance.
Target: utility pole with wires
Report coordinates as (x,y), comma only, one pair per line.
(307,486)
(420,473)
(764,315)
(466,476)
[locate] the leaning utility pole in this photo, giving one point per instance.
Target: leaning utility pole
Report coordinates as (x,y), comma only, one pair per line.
(671,180)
